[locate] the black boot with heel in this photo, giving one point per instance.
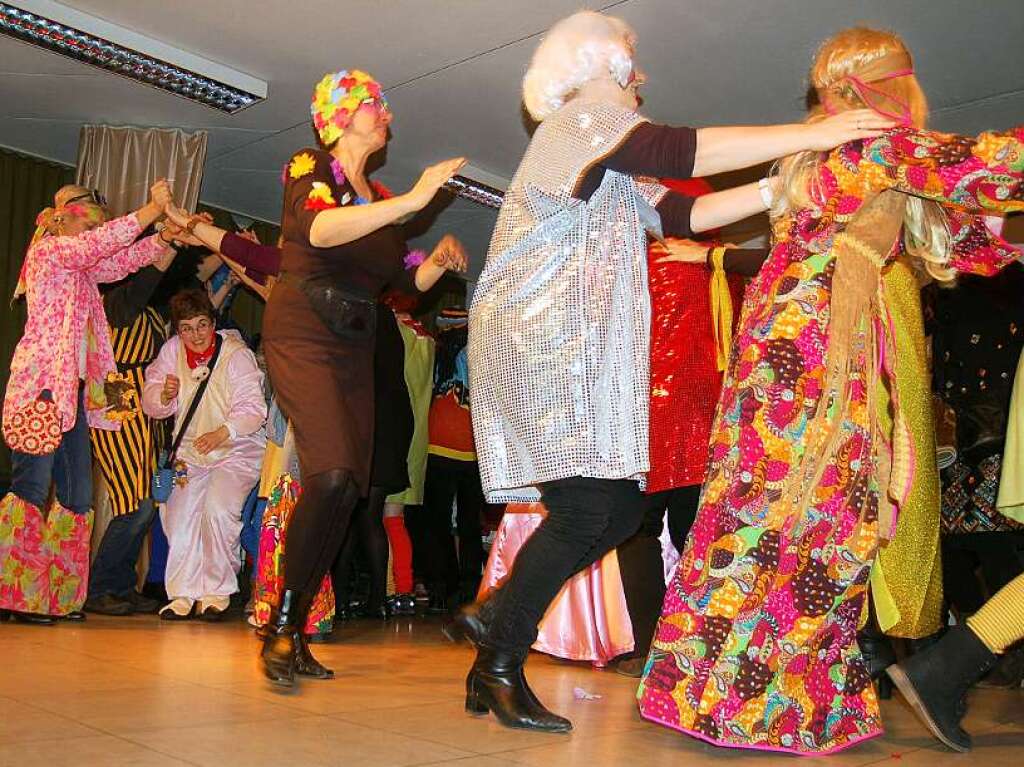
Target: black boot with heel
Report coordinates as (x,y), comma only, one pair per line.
(496,684)
(282,640)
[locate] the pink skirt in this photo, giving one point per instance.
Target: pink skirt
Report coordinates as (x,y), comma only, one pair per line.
(588,620)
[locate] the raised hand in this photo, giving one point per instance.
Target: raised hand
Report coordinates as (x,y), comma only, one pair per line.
(178,216)
(160,194)
(433,177)
(450,254)
(170,390)
(838,129)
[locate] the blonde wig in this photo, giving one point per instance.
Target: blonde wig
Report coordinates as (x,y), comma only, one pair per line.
(867,54)
(583,47)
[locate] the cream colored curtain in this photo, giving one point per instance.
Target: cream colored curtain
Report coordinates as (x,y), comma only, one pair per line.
(122,163)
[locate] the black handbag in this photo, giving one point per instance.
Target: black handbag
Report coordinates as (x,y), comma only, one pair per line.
(350,317)
(163,477)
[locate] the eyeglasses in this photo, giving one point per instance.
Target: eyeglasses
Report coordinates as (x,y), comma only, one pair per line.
(203,326)
(93,195)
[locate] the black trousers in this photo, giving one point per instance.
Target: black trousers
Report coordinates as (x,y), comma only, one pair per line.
(586,518)
(640,559)
(451,481)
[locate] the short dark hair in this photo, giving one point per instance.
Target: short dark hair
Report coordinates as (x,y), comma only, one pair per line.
(189,303)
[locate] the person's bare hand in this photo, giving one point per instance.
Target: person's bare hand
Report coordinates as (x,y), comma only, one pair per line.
(160,194)
(170,390)
(211,440)
(680,251)
(432,179)
(450,254)
(851,125)
(250,235)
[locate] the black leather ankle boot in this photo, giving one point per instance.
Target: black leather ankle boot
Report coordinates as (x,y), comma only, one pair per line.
(496,684)
(935,680)
(282,640)
(305,663)
(472,621)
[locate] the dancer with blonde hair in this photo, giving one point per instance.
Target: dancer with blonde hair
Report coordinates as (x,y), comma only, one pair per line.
(757,646)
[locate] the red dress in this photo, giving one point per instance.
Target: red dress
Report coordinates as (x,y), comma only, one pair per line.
(685,381)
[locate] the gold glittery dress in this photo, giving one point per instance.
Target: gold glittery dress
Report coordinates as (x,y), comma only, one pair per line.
(906,581)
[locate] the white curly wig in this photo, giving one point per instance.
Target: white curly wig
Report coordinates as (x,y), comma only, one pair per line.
(579,48)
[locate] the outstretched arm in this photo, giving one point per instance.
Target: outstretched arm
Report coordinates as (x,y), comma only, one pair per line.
(724,149)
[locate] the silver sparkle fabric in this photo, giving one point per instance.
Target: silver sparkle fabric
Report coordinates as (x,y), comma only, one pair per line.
(560,318)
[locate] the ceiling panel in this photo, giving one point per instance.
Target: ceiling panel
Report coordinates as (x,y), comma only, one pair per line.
(452,69)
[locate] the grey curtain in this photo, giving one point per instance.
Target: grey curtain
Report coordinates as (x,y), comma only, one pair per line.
(123,162)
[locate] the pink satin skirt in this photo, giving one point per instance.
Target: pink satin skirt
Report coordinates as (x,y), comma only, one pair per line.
(588,620)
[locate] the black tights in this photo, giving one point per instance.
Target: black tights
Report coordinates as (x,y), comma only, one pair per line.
(586,518)
(318,527)
(366,532)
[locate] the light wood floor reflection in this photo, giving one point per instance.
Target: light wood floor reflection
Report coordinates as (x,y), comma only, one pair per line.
(141,692)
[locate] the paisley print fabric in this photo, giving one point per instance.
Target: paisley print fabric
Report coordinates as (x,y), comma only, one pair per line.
(756,647)
(270,567)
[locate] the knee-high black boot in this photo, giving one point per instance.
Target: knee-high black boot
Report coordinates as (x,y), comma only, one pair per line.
(496,684)
(282,640)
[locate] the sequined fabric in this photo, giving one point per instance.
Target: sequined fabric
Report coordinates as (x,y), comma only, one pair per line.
(559,325)
(906,581)
(685,380)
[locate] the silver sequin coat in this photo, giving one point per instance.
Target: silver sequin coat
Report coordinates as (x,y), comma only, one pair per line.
(559,326)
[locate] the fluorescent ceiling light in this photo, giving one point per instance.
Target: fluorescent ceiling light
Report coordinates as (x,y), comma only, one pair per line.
(124,52)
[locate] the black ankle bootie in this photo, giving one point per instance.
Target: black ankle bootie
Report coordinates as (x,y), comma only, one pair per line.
(935,681)
(282,640)
(496,684)
(472,620)
(307,665)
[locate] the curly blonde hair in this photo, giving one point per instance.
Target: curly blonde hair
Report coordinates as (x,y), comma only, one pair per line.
(841,57)
(576,50)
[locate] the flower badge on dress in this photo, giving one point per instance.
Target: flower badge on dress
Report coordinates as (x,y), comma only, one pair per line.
(301,165)
(320,197)
(200,373)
